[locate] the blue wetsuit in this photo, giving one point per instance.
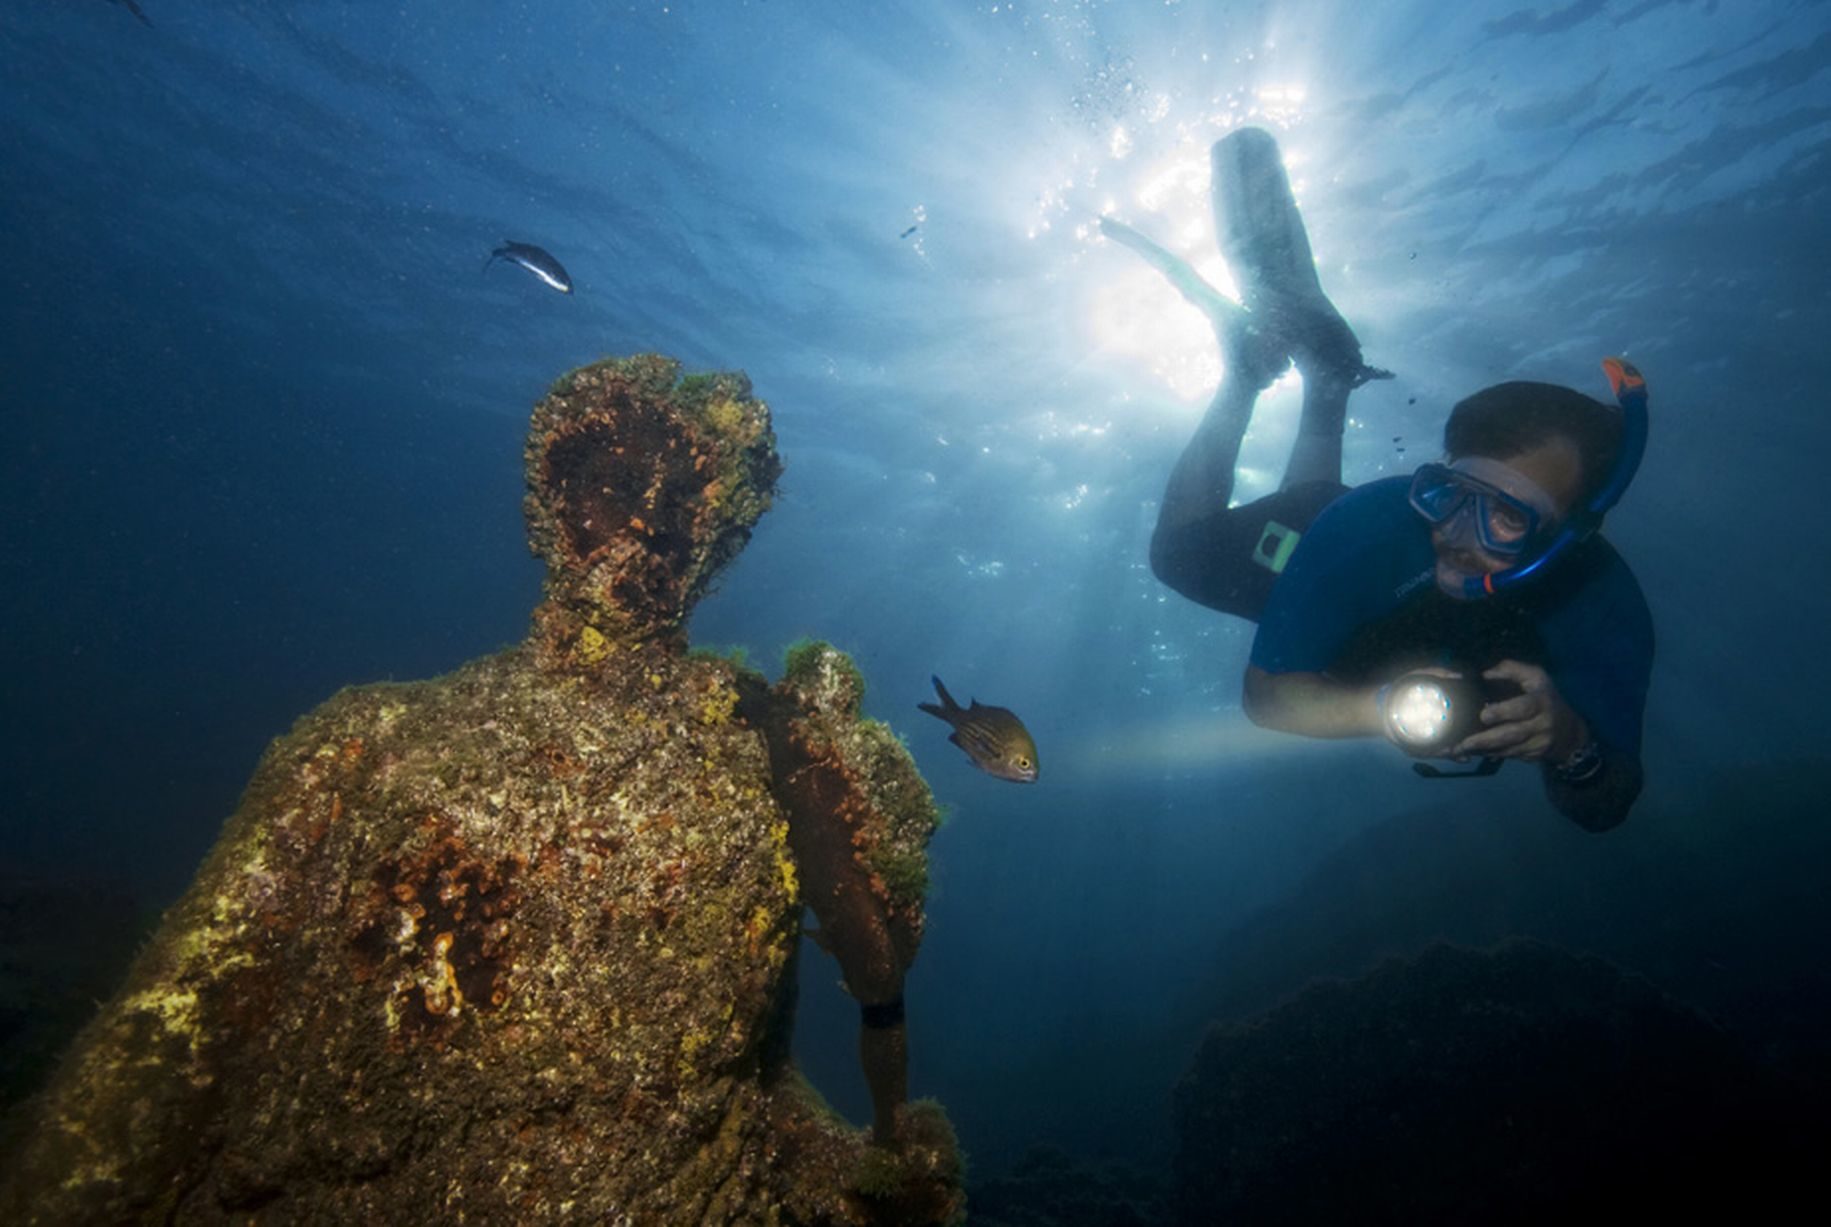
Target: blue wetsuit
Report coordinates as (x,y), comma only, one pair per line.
(1358,601)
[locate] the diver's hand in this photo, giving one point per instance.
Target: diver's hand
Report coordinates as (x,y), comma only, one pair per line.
(1533,725)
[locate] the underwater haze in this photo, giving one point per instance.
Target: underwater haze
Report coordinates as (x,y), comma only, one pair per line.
(262,408)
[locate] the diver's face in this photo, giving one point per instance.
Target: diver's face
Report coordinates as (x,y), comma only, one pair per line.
(1548,477)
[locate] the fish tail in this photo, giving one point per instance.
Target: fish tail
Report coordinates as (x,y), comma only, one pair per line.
(493,257)
(946,698)
(938,712)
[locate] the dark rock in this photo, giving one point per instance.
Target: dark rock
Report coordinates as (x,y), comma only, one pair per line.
(1512,1086)
(1050,1188)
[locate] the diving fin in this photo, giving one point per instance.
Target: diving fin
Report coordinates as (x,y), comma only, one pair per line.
(1256,220)
(1261,233)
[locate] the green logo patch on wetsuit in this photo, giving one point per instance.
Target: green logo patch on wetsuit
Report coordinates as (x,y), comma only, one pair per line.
(1276,545)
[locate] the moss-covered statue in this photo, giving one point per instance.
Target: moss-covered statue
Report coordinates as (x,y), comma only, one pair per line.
(859,821)
(516,944)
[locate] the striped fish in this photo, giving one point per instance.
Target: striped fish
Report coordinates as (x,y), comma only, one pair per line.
(996,741)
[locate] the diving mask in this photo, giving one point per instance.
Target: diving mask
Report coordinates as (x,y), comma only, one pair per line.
(1506,522)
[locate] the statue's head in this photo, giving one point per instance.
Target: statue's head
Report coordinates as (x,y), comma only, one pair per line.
(642,485)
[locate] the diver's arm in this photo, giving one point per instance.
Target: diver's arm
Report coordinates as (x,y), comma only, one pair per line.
(1180,272)
(1585,780)
(1311,704)
(1601,802)
(1588,781)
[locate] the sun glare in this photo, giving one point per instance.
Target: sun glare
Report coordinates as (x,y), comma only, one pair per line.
(1150,167)
(1279,104)
(1138,151)
(1137,316)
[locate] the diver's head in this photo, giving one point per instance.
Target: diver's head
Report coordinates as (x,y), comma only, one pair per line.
(1521,457)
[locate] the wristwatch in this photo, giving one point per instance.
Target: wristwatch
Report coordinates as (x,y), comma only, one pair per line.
(1581,764)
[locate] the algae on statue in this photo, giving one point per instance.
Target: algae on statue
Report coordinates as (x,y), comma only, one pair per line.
(515,943)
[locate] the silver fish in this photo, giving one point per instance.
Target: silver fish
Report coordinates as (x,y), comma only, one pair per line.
(536,260)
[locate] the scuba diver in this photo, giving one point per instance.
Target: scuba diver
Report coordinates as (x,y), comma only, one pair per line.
(1470,610)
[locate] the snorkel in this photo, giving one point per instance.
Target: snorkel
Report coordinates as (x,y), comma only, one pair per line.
(1631,395)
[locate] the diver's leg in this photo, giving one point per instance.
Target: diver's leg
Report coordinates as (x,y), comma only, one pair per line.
(1201,483)
(1316,455)
(1195,500)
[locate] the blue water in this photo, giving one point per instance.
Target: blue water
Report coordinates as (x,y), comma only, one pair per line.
(261,407)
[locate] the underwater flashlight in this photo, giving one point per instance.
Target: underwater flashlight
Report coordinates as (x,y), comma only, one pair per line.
(1426,714)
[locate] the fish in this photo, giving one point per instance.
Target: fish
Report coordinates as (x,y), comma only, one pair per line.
(137,11)
(536,260)
(994,738)
(909,231)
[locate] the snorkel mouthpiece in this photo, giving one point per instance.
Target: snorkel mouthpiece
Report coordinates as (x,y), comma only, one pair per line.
(1630,390)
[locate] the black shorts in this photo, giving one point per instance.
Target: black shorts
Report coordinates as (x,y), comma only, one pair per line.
(1230,560)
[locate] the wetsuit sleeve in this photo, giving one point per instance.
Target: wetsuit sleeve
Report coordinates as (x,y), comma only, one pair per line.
(1327,591)
(1601,659)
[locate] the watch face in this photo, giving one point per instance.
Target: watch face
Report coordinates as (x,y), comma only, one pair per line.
(1583,762)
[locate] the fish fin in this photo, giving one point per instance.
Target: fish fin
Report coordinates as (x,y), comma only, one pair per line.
(955,738)
(946,698)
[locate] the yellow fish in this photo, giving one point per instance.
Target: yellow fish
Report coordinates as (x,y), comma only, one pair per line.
(996,740)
